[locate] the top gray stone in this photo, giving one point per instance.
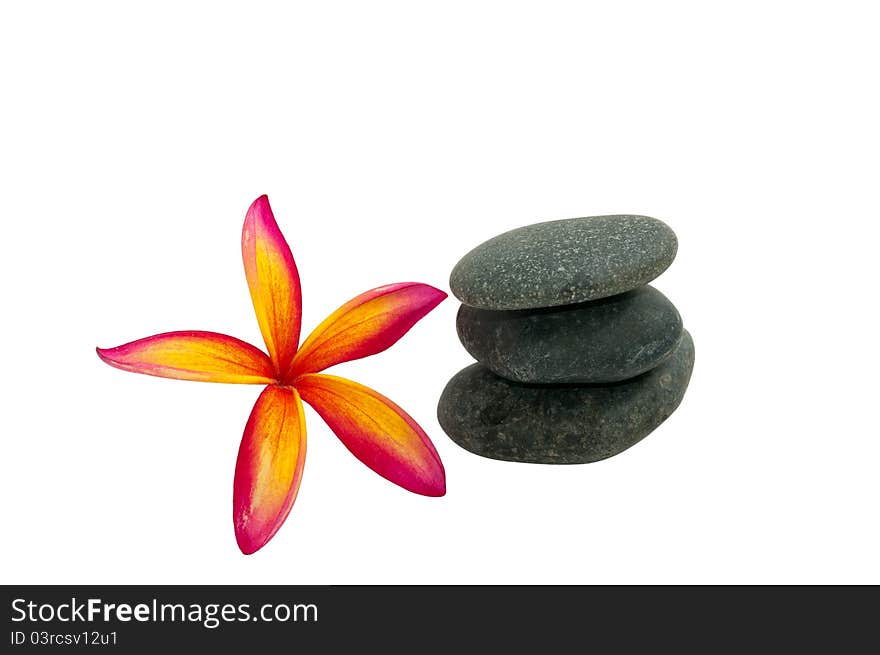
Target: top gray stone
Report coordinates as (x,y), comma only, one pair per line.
(564,262)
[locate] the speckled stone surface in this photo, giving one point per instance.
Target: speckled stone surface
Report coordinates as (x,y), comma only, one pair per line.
(566,424)
(563,262)
(605,340)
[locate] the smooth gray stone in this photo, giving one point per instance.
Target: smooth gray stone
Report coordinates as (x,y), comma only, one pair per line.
(606,340)
(564,262)
(561,424)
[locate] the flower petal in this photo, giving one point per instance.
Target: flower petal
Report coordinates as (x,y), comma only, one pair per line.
(192,355)
(273,281)
(269,467)
(365,325)
(377,432)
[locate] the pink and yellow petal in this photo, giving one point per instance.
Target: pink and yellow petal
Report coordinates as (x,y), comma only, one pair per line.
(365,325)
(273,282)
(269,467)
(192,355)
(376,431)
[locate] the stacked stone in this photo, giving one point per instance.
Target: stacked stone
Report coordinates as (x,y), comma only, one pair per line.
(578,358)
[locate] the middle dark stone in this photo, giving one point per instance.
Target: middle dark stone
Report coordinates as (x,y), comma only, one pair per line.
(606,340)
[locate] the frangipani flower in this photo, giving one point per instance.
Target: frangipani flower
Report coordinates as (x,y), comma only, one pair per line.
(273,448)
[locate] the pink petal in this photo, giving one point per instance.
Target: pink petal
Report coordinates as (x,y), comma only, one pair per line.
(273,282)
(365,325)
(192,355)
(377,432)
(269,467)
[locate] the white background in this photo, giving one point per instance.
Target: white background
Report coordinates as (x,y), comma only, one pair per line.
(391,139)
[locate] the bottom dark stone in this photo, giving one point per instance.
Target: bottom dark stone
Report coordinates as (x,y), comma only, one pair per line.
(561,424)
